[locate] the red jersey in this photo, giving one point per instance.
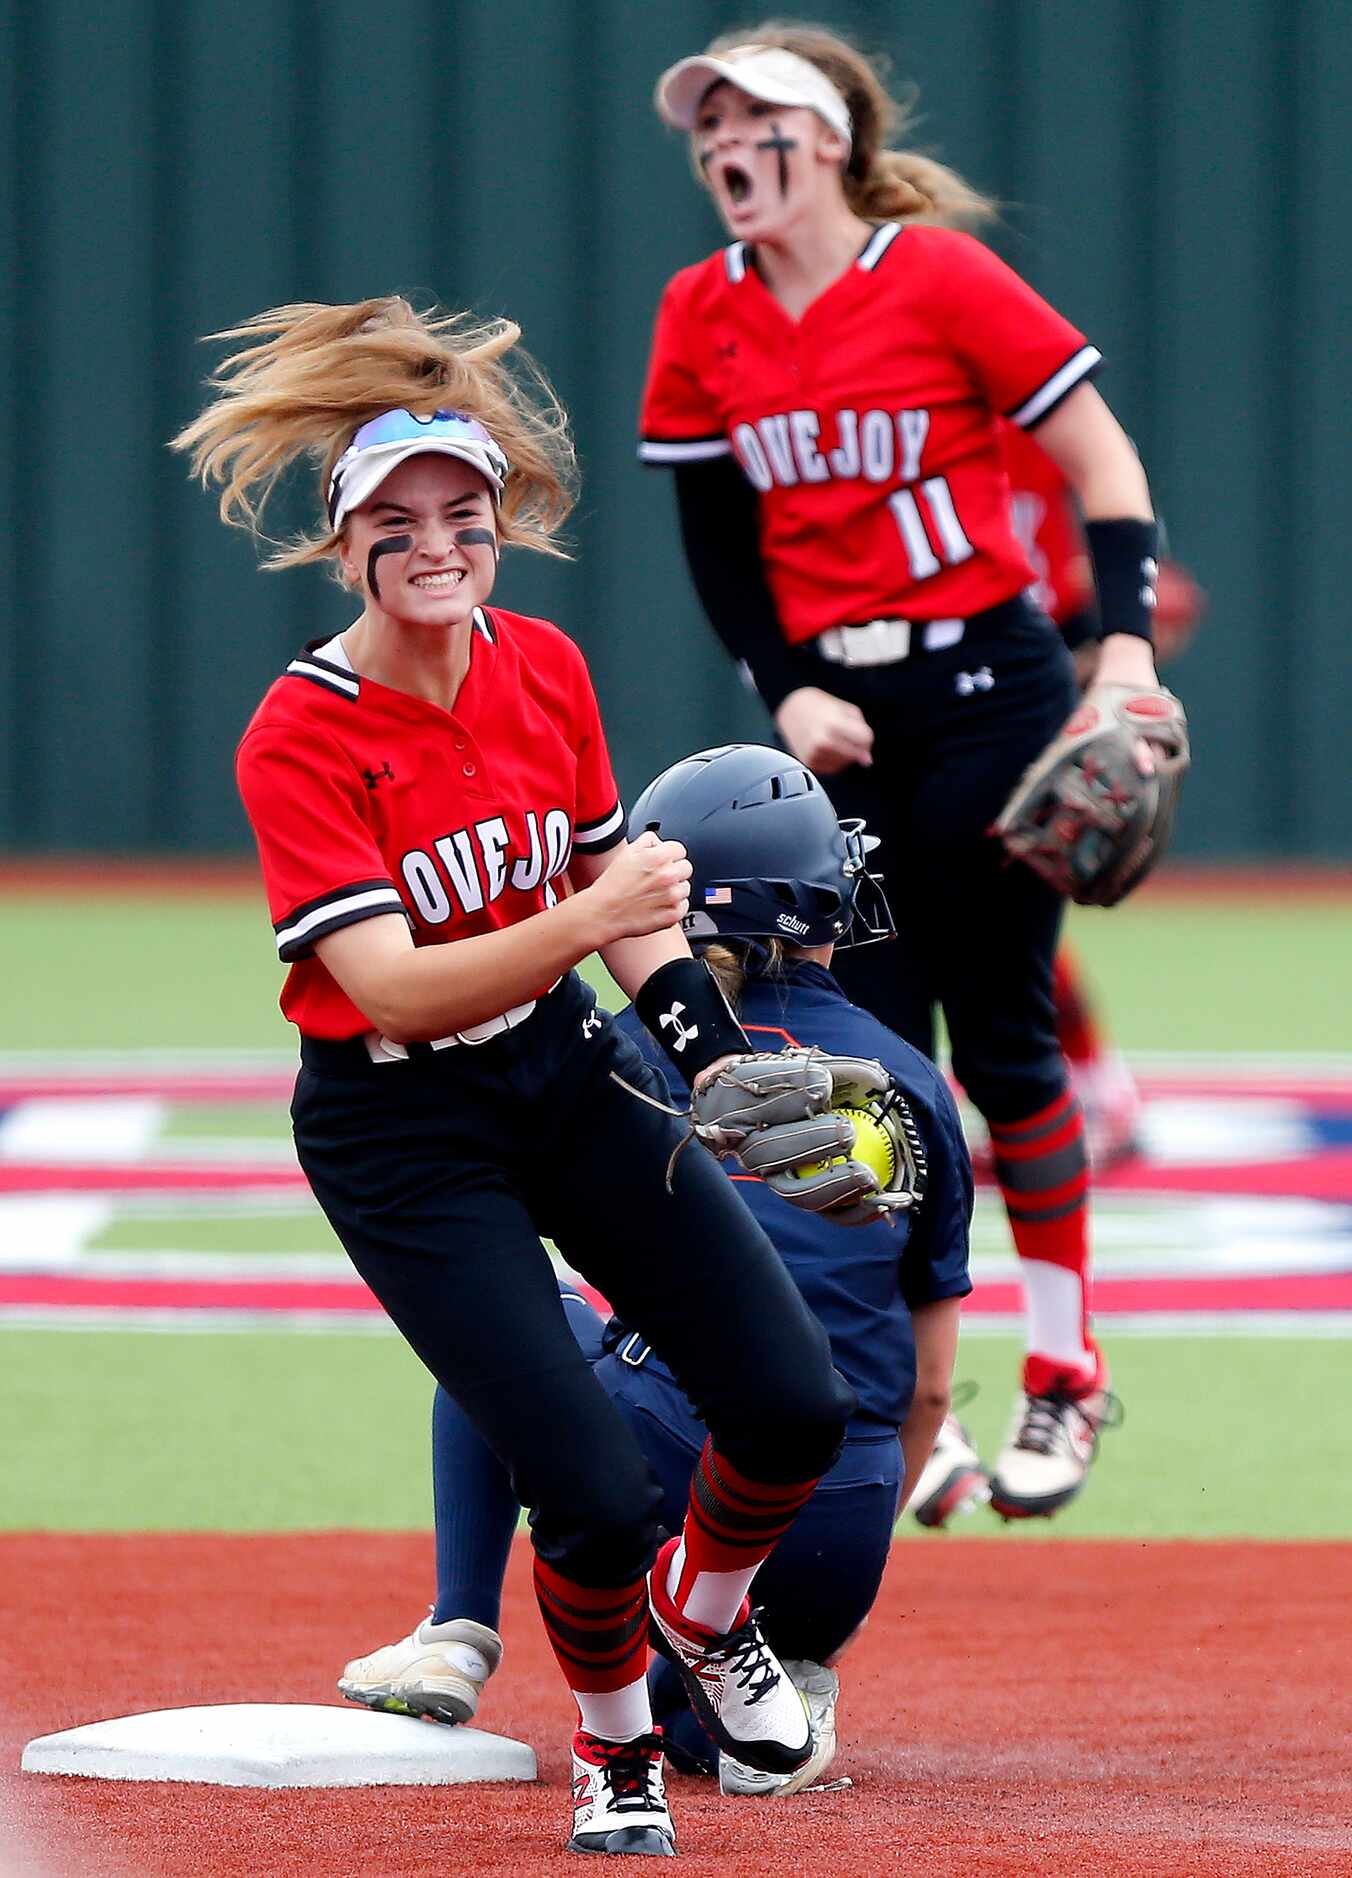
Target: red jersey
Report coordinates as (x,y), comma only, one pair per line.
(365,800)
(1047,523)
(870,426)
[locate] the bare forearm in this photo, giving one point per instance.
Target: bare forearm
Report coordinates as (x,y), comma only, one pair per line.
(936,1349)
(414,994)
(1100,463)
(631,962)
(1097,458)
(918,1433)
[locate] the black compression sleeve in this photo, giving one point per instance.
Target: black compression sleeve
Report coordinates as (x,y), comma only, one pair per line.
(683,1007)
(1080,628)
(719,529)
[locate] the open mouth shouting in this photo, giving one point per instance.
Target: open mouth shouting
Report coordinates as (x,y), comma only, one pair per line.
(737,181)
(748,183)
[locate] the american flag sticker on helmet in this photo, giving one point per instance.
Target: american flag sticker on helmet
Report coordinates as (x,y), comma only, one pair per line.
(718,896)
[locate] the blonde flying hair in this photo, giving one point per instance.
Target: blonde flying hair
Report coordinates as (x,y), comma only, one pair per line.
(881,184)
(311,375)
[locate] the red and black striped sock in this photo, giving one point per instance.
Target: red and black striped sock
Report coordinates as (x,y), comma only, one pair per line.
(600,1638)
(1043,1171)
(731,1528)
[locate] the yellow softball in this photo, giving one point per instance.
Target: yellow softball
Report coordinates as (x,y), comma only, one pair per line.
(873,1146)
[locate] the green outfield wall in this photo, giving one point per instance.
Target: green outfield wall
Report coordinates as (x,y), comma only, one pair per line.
(1176,179)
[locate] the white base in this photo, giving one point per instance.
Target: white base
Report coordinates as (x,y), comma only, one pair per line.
(280,1744)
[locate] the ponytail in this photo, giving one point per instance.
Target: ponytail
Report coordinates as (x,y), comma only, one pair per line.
(728,960)
(904,186)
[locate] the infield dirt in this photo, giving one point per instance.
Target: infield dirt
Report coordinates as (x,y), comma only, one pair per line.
(1175,1710)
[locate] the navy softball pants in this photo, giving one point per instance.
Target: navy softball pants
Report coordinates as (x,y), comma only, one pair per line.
(976,935)
(439,1176)
(814,1590)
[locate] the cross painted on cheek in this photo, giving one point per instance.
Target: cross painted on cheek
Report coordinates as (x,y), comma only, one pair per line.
(782,145)
(392,544)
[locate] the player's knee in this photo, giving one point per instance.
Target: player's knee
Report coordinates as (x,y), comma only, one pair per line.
(600,1555)
(798,1434)
(1005,1084)
(605,1534)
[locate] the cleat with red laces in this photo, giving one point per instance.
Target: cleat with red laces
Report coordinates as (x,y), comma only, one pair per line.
(619,1805)
(1052,1440)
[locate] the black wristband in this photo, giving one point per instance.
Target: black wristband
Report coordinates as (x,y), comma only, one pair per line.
(684,1008)
(1125,554)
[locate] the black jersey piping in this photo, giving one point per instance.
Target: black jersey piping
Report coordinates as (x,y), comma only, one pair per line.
(342,906)
(323,672)
(346,682)
(683,449)
(740,258)
(1077,370)
(877,245)
(605,831)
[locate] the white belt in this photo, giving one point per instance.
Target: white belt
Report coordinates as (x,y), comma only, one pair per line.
(383,1049)
(885,641)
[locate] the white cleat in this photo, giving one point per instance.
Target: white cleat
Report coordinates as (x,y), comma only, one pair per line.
(736,1685)
(820,1689)
(618,1801)
(952,1480)
(1048,1451)
(438,1672)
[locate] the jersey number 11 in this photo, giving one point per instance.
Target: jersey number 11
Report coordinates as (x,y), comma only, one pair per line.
(946,528)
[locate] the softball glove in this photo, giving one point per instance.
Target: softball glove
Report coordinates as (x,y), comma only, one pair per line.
(777,1115)
(1083,816)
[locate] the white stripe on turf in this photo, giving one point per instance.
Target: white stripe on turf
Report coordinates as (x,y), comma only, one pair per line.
(46,1232)
(1333,1325)
(55,1130)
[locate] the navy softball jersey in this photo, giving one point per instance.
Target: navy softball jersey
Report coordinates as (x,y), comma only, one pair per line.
(860,1283)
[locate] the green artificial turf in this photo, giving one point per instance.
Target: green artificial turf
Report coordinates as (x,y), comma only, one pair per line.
(1220,974)
(151,971)
(134,1431)
(303,1230)
(243,1121)
(268,1432)
(176,971)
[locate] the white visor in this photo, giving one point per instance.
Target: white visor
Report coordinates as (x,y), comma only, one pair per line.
(381,445)
(765,72)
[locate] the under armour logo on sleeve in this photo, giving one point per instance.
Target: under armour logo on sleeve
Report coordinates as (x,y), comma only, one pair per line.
(980,680)
(671,1020)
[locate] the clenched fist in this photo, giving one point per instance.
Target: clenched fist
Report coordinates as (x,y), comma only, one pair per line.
(645,889)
